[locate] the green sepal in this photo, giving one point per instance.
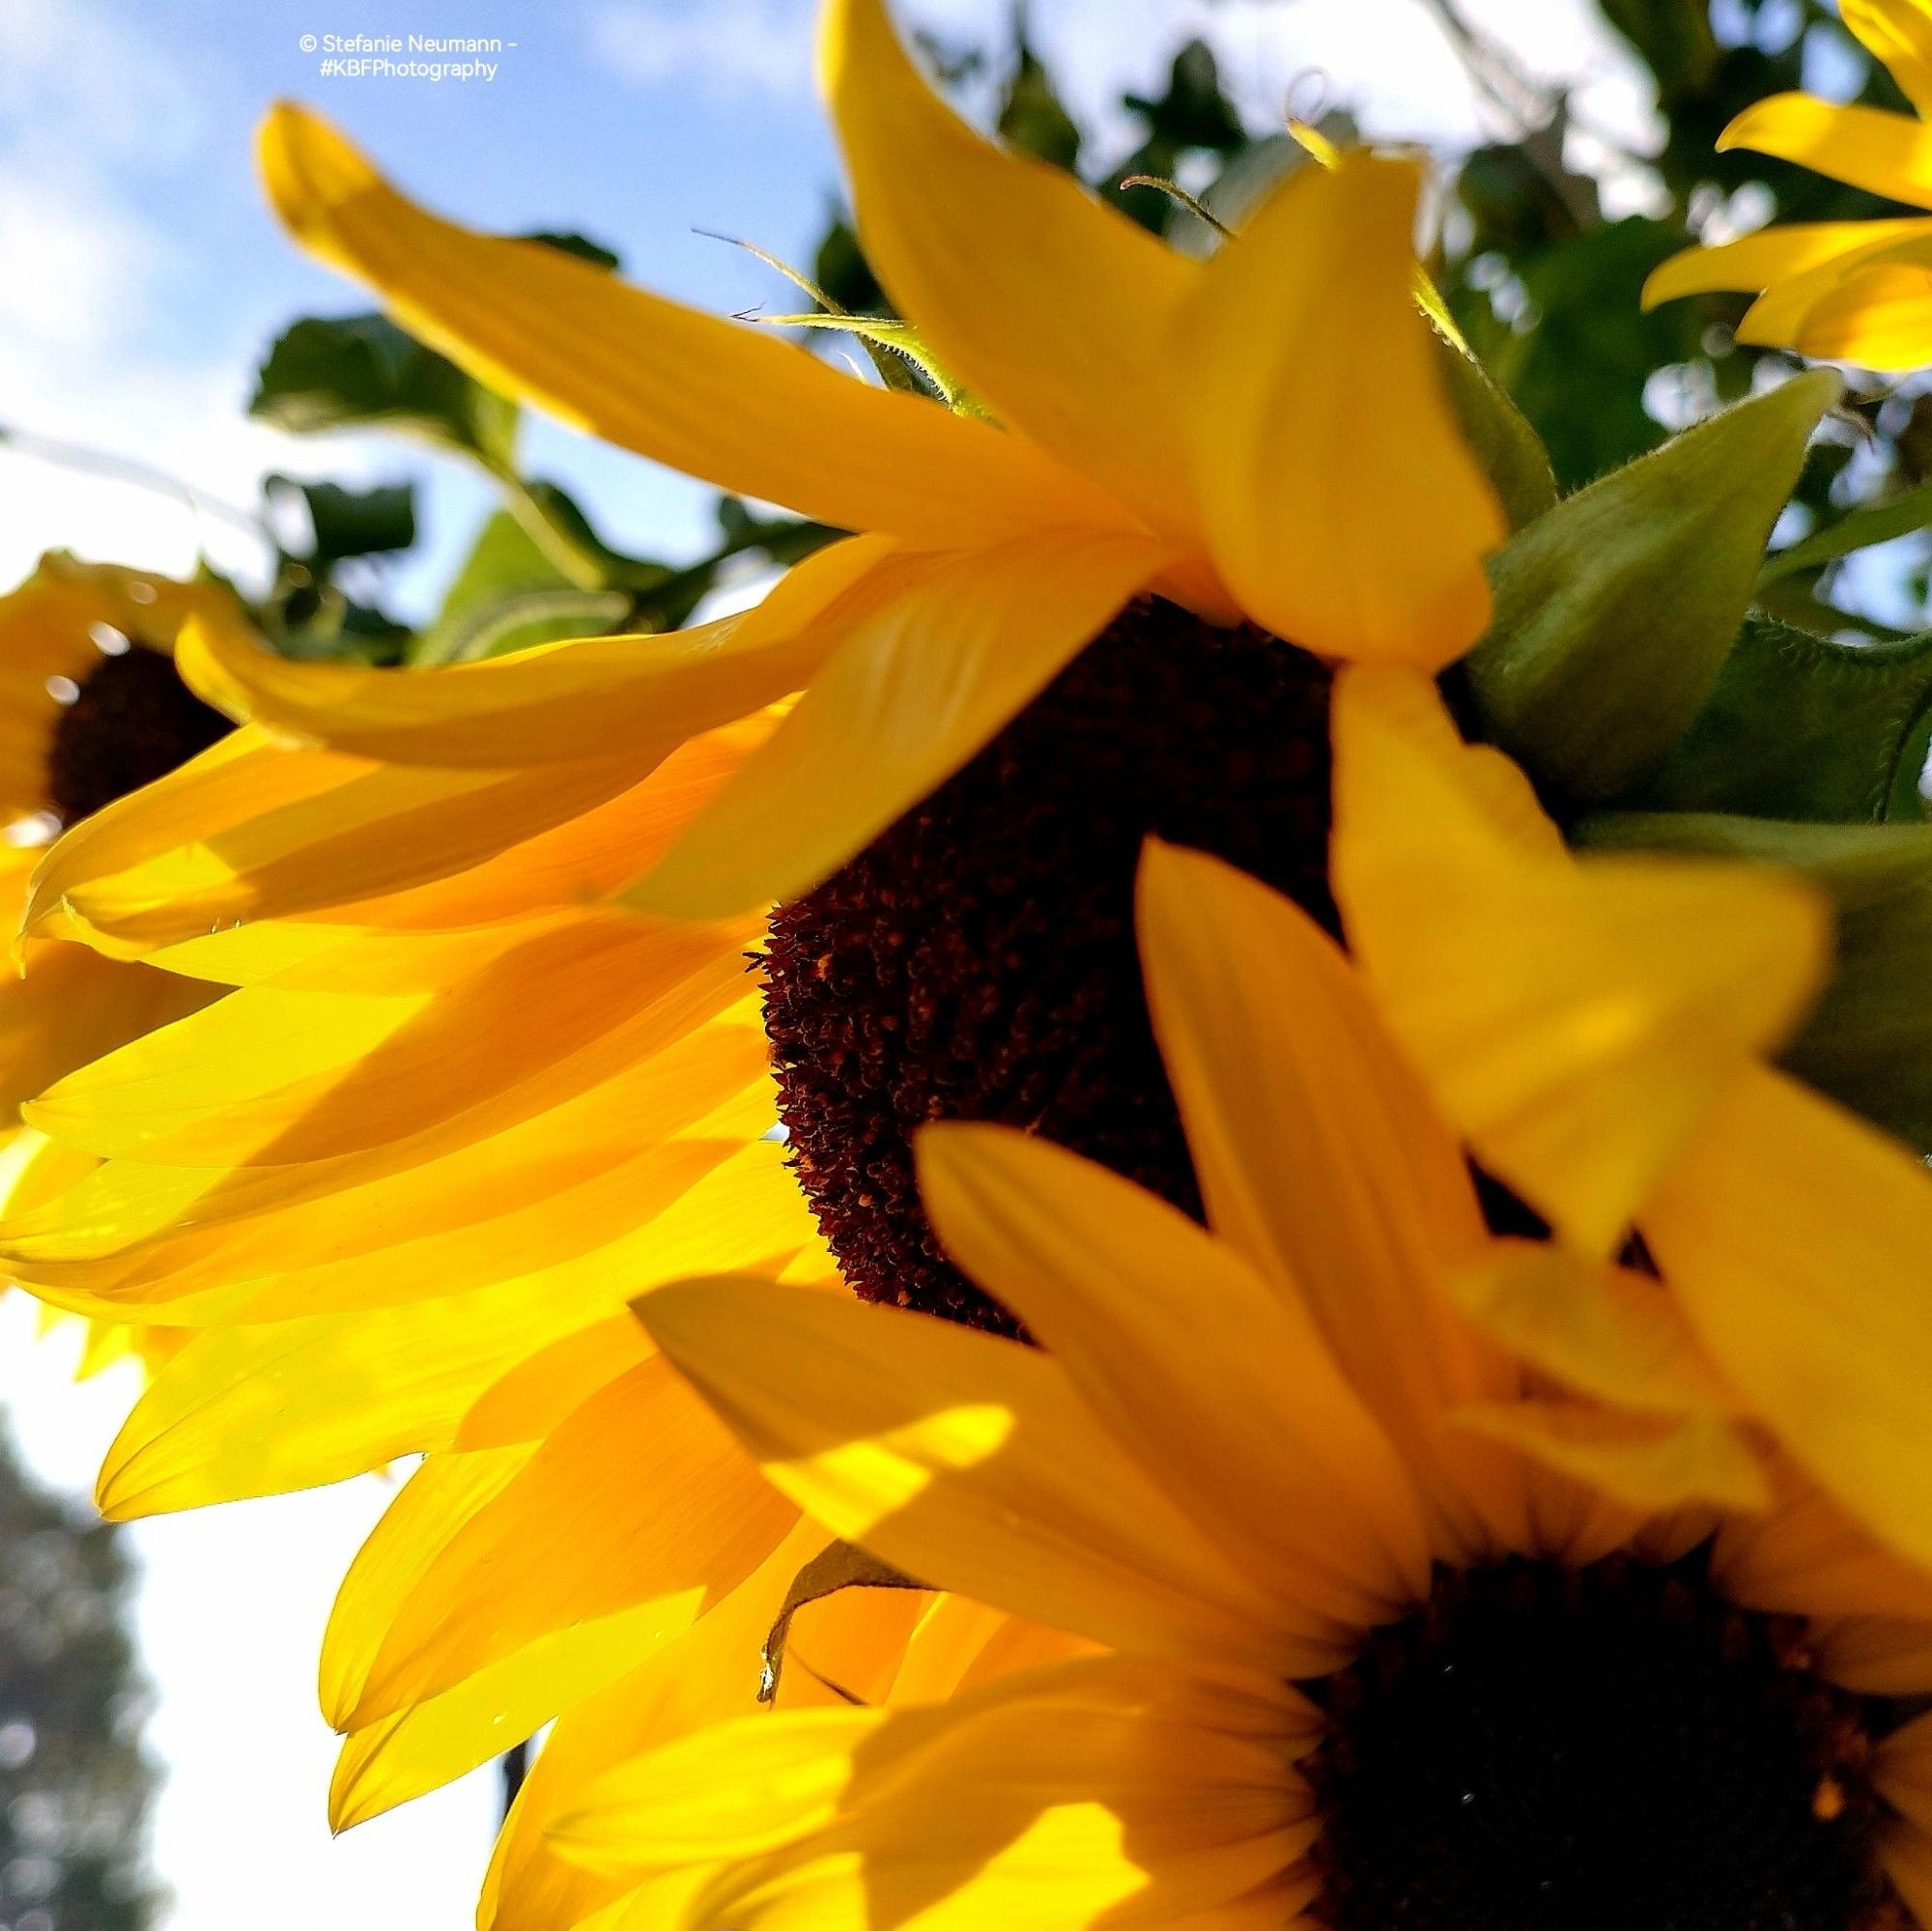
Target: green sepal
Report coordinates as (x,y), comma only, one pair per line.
(904,347)
(1869,1040)
(1799,726)
(1614,610)
(1498,434)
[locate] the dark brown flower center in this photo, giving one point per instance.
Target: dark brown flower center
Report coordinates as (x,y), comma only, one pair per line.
(131,722)
(1611,1749)
(977,961)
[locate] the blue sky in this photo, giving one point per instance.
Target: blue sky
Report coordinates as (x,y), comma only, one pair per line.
(141,278)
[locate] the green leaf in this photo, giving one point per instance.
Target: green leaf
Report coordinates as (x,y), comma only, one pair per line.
(1033,118)
(1614,610)
(530,617)
(1800,727)
(1876,522)
(1579,364)
(1498,434)
(510,594)
(361,371)
(1869,1042)
(840,1564)
(350,523)
(569,242)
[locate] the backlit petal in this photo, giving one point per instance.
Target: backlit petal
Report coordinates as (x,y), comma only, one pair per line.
(1774,255)
(912,692)
(1342,507)
(1799,1240)
(1322,1161)
(1574,1019)
(1054,310)
(961,1458)
(1899,31)
(1192,1361)
(1888,154)
(722,401)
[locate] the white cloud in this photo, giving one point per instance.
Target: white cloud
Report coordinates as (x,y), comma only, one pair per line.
(731,49)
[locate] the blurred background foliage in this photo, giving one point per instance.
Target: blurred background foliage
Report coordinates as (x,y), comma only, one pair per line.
(74,1782)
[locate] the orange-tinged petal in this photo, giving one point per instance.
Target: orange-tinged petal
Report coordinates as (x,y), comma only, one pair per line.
(1054,310)
(267,1077)
(1886,154)
(1341,505)
(1192,1360)
(963,1460)
(250,829)
(1574,1019)
(728,403)
(596,698)
(639,1496)
(1799,1240)
(913,692)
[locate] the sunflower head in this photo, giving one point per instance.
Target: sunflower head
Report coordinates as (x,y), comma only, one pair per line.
(87,679)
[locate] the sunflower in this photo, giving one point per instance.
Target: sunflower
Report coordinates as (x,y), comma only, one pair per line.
(1842,290)
(491,1060)
(1444,1578)
(90,708)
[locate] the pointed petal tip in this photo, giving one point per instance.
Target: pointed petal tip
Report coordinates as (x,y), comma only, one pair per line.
(307,165)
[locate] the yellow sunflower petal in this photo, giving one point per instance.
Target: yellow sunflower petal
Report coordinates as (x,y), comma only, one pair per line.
(1191,1360)
(1888,154)
(1574,1020)
(1604,1330)
(1356,532)
(1320,1160)
(1774,255)
(956,1806)
(269,1077)
(445,1491)
(961,1458)
(1054,310)
(708,1675)
(258,1411)
(596,698)
(1900,33)
(1799,1240)
(722,401)
(250,829)
(1878,315)
(1648,1464)
(246,1411)
(539,1393)
(639,1496)
(912,692)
